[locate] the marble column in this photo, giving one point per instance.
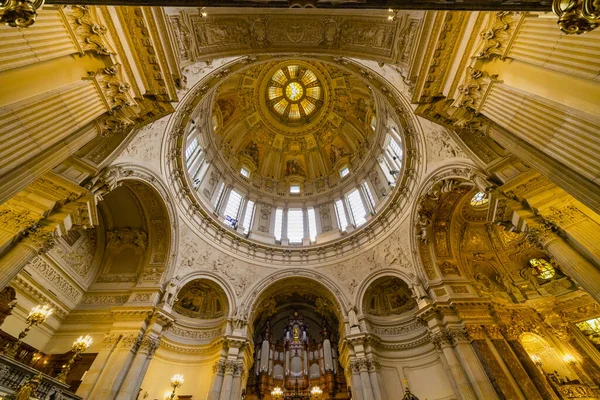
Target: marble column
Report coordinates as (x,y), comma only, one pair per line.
(91,377)
(226,387)
(139,366)
(538,379)
(374,378)
(365,380)
(356,382)
(112,376)
(473,368)
(217,381)
(571,262)
(238,378)
(442,342)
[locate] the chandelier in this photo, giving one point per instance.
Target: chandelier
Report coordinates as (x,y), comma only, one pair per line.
(315,393)
(277,393)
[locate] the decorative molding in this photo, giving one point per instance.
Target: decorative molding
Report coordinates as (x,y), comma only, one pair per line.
(96,299)
(90,34)
(50,273)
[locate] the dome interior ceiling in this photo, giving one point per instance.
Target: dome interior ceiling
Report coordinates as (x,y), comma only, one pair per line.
(294,121)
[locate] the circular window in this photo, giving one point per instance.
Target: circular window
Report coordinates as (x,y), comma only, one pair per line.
(294,92)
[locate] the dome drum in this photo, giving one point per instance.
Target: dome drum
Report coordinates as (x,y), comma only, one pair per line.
(316,182)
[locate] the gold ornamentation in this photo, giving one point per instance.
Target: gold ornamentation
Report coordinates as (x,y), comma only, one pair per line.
(90,34)
(577,16)
(115,92)
(19,13)
(496,35)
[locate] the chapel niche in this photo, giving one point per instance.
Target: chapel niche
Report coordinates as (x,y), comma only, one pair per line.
(388,296)
(201,299)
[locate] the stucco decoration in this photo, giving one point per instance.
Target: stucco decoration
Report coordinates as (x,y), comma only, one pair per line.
(202,299)
(388,296)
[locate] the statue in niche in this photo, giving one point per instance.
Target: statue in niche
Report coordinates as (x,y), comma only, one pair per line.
(352,319)
(418,290)
(170,296)
(422,224)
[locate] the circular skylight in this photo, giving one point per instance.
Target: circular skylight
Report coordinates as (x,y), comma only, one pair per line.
(294,92)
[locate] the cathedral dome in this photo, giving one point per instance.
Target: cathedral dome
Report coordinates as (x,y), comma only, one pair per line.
(294,122)
(294,150)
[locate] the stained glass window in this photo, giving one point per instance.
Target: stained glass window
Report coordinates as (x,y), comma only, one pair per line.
(480,199)
(544,269)
(294,92)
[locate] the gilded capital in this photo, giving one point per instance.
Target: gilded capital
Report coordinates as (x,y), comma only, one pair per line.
(577,16)
(19,13)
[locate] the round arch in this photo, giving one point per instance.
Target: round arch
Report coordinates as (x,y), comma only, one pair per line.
(257,292)
(409,278)
(123,173)
(217,279)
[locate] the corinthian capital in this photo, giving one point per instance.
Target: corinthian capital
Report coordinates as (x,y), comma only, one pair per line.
(19,13)
(577,16)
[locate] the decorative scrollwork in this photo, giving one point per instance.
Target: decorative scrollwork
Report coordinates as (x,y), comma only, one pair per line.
(577,16)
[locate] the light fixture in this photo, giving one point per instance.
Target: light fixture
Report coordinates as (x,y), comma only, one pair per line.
(316,392)
(79,346)
(537,360)
(569,359)
(277,393)
(202,12)
(36,316)
(176,382)
(393,15)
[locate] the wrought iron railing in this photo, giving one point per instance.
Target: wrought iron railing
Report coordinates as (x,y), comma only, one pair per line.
(14,374)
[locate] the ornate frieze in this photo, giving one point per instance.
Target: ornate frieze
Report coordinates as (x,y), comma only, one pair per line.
(110,340)
(52,275)
(96,299)
(187,333)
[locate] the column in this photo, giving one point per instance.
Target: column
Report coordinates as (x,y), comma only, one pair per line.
(38,240)
(238,377)
(284,226)
(139,366)
(226,387)
(218,373)
(363,367)
(538,379)
(588,351)
(91,377)
(570,261)
(442,342)
(514,379)
(117,366)
(355,381)
(374,377)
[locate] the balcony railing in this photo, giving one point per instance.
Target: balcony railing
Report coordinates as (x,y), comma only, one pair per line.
(14,374)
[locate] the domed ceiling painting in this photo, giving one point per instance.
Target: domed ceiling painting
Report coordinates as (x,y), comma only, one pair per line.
(201,299)
(294,121)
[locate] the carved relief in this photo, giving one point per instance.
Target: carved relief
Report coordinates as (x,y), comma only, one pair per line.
(48,272)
